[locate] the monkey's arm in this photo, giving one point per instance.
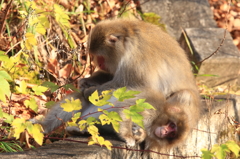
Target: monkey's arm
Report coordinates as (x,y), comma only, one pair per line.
(98,78)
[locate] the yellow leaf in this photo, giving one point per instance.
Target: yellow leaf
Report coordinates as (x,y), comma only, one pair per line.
(37,133)
(22,87)
(91,142)
(100,140)
(104,119)
(100,100)
(93,130)
(72,105)
(82,124)
(19,126)
(108,144)
(30,41)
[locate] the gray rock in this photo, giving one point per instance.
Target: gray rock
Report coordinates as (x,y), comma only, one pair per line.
(181,14)
(225,63)
(214,127)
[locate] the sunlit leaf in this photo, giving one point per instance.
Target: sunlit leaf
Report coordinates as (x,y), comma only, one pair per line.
(100,100)
(82,124)
(206,154)
(19,126)
(108,144)
(93,130)
(71,87)
(8,118)
(71,105)
(4,89)
(5,75)
(52,86)
(30,41)
(39,90)
(220,151)
(22,87)
(32,104)
(91,120)
(142,103)
(35,130)
(121,94)
(233,146)
(104,119)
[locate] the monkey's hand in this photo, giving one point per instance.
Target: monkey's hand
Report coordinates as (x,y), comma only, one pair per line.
(138,133)
(88,91)
(85,83)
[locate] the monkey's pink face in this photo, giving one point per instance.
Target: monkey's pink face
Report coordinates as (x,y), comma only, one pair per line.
(166,131)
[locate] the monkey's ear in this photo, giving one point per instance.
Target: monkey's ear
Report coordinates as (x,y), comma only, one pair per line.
(112,39)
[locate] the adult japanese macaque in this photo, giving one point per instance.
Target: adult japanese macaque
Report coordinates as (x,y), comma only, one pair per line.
(142,57)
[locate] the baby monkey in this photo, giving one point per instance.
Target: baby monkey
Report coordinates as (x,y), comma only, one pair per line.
(142,57)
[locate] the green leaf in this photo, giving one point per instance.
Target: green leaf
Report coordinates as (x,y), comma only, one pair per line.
(116,125)
(71,105)
(50,104)
(39,89)
(114,116)
(52,86)
(4,57)
(32,104)
(4,89)
(134,116)
(137,118)
(206,154)
(7,117)
(61,16)
(136,108)
(121,94)
(91,120)
(233,146)
(5,75)
(142,103)
(220,151)
(70,86)
(102,100)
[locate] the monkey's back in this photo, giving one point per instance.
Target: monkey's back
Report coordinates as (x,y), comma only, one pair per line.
(146,51)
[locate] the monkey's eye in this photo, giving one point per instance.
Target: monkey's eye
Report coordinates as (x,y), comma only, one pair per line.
(172,125)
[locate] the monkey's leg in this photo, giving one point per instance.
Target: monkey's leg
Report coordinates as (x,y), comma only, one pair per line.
(56,116)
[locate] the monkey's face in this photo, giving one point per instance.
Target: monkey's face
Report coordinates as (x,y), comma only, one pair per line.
(167,129)
(107,47)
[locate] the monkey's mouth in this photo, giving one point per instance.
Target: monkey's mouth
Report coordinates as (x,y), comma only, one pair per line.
(166,131)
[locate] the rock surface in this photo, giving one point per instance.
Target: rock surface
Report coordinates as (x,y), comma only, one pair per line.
(223,66)
(181,14)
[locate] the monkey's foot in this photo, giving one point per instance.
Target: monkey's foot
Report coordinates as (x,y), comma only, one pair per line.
(130,142)
(138,133)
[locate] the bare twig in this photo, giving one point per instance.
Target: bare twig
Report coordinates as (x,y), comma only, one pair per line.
(224,37)
(4,18)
